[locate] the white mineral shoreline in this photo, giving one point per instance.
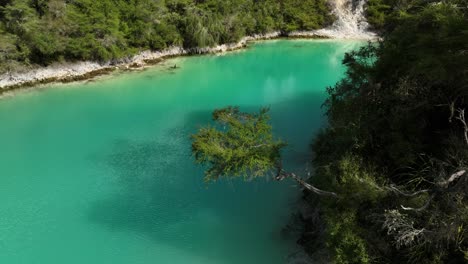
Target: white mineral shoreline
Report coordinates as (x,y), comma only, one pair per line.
(76,71)
(67,72)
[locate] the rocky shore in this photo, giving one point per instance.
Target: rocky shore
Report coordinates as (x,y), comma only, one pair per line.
(69,72)
(76,71)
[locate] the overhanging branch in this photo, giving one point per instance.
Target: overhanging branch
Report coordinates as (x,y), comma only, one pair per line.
(282,175)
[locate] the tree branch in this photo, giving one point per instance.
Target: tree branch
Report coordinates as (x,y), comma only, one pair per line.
(282,175)
(453,177)
(461,118)
(443,184)
(420,208)
(398,191)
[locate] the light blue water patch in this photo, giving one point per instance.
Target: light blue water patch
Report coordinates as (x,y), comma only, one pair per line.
(101,172)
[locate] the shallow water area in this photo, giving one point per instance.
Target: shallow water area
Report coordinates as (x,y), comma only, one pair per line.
(101,171)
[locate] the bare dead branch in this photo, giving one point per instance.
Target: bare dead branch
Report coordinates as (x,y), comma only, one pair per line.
(394,189)
(461,118)
(452,178)
(282,175)
(422,208)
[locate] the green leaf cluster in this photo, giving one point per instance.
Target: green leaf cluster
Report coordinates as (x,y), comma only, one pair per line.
(240,144)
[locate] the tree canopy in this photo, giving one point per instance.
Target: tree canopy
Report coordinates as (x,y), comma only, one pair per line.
(241,144)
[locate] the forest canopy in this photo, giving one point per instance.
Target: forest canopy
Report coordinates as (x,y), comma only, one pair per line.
(45,31)
(396,145)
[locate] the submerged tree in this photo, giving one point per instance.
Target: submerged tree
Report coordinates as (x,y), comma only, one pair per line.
(242,145)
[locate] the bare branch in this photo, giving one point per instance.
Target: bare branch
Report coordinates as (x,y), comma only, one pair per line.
(420,208)
(282,175)
(452,178)
(394,189)
(461,118)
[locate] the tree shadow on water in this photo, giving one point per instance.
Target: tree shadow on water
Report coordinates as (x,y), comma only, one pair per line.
(159,192)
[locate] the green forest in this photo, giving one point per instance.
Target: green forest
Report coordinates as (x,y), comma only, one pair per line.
(44,31)
(391,167)
(396,147)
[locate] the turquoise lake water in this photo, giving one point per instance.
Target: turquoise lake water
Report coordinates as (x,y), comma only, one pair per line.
(100,172)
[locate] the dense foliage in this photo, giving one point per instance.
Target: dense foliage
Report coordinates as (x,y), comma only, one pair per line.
(396,148)
(241,144)
(44,31)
